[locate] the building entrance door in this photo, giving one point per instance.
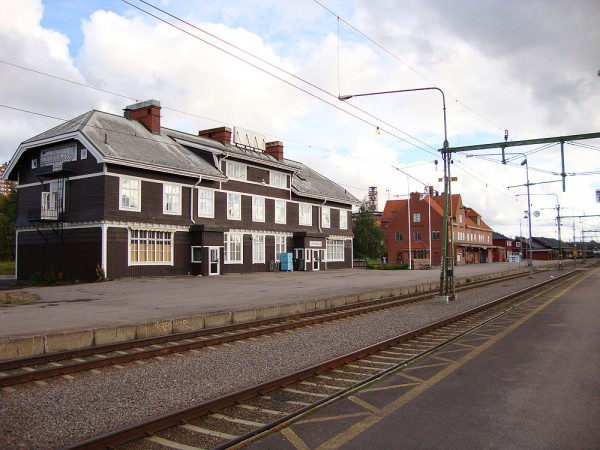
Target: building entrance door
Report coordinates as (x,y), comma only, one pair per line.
(214,260)
(316,259)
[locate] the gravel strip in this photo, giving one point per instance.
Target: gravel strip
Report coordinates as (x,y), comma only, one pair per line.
(61,412)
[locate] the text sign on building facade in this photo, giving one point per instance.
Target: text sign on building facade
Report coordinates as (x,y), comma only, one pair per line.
(56,157)
(597,195)
(314,244)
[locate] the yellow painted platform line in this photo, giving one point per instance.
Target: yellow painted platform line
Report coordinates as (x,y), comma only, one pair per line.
(294,439)
(356,429)
(385,388)
(332,418)
(361,402)
(410,377)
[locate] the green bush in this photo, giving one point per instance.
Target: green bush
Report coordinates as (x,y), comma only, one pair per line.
(7,267)
(387,266)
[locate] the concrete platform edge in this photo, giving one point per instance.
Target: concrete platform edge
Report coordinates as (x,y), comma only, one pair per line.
(28,346)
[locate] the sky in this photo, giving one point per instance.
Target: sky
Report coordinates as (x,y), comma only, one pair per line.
(277,68)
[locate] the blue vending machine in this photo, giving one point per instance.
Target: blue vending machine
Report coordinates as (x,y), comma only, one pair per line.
(286,262)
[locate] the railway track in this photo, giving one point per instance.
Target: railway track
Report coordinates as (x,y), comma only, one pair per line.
(235,419)
(46,366)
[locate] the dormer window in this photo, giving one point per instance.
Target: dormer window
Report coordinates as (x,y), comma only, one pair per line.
(237,171)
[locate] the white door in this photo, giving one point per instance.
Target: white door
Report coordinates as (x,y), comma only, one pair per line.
(213,260)
(315,259)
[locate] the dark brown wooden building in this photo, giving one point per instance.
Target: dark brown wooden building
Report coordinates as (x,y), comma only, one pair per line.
(123,196)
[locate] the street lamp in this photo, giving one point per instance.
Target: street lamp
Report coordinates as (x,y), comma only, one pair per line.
(560,259)
(524,163)
(447,288)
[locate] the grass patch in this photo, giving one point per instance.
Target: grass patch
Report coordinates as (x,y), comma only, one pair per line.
(17,298)
(387,266)
(7,267)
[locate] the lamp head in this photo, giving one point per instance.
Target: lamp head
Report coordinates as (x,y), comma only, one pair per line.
(524,162)
(345,97)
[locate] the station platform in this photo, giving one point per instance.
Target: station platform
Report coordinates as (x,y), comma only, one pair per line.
(529,383)
(76,316)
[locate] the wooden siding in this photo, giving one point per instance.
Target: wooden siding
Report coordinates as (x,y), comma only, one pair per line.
(76,257)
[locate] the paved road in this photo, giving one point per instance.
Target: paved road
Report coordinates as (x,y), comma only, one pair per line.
(130,301)
(534,385)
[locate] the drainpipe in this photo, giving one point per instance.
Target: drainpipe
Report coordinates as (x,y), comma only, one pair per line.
(320,230)
(192,200)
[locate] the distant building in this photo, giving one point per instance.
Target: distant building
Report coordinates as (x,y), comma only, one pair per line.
(123,196)
(504,247)
(5,185)
(414,231)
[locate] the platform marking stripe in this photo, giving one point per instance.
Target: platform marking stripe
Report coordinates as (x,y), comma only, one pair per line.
(294,439)
(361,402)
(385,388)
(427,366)
(356,429)
(333,418)
(410,377)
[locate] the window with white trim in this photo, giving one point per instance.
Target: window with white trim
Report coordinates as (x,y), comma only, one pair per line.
(416,217)
(234,206)
(130,194)
(150,247)
(258,248)
(280,211)
(280,247)
(206,203)
(258,209)
(233,248)
(325,217)
(237,171)
(343,219)
(335,250)
(305,214)
(53,201)
(171,199)
(278,179)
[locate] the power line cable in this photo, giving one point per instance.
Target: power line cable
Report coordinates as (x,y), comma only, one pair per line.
(277,68)
(377,44)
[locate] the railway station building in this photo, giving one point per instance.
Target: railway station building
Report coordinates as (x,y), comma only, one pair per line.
(113,196)
(414,235)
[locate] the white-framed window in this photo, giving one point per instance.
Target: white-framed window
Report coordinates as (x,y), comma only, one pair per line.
(196,254)
(171,198)
(343,219)
(416,217)
(280,247)
(258,248)
(325,217)
(130,194)
(83,153)
(335,250)
(53,201)
(206,203)
(234,206)
(150,247)
(237,171)
(278,179)
(280,211)
(305,214)
(460,219)
(435,235)
(233,248)
(258,209)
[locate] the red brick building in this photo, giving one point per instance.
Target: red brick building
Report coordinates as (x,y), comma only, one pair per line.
(414,231)
(5,185)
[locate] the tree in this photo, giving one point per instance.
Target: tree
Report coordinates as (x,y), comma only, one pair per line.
(368,236)
(8,216)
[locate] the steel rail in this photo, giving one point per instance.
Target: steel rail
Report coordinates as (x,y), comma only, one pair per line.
(254,329)
(154,425)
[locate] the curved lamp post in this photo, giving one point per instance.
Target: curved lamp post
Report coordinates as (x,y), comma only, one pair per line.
(447,289)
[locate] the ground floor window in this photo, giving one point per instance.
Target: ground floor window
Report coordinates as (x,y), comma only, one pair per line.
(233,248)
(150,247)
(420,254)
(335,250)
(280,247)
(258,248)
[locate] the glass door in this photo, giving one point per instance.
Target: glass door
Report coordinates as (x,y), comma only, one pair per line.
(214,260)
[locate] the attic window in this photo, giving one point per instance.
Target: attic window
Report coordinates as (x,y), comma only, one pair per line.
(301,177)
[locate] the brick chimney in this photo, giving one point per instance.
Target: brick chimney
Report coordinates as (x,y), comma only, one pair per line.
(275,149)
(147,113)
(221,134)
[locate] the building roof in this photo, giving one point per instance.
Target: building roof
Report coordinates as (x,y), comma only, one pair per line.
(117,140)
